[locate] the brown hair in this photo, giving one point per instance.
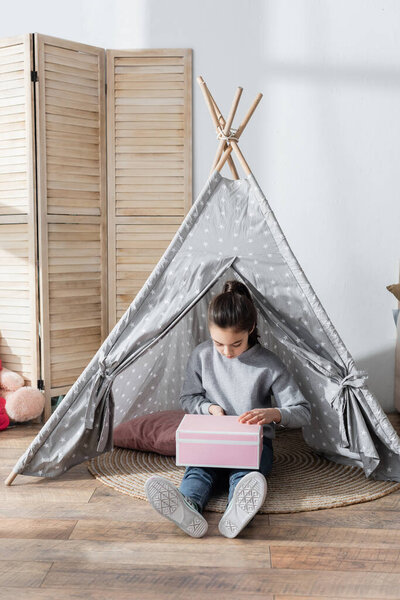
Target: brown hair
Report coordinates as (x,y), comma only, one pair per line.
(234,307)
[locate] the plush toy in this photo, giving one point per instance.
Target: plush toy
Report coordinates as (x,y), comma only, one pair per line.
(18,402)
(4,418)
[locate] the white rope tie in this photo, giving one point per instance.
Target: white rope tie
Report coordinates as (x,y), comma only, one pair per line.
(231,135)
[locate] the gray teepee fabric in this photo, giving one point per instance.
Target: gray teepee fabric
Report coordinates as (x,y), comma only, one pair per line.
(230,232)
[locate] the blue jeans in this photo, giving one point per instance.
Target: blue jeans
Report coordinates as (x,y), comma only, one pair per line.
(198,483)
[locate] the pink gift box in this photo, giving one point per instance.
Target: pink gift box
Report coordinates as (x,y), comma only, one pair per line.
(210,441)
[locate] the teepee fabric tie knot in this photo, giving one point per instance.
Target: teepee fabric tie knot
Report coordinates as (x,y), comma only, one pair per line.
(230,136)
(104,373)
(95,396)
(354,379)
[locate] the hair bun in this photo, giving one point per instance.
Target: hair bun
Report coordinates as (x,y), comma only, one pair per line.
(236,287)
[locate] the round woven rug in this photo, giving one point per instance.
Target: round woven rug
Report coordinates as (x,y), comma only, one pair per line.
(300,480)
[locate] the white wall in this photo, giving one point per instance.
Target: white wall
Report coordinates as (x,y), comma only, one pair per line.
(324,143)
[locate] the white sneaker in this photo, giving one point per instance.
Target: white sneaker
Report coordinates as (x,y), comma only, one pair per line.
(172,504)
(248,497)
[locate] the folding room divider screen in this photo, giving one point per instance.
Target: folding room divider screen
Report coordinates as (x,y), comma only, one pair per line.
(95,179)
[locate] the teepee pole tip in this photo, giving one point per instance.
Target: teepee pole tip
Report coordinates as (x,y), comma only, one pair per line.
(10,478)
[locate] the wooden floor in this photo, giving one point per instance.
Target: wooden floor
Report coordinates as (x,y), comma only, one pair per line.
(72,538)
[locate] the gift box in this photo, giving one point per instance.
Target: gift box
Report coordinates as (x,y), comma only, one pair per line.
(211,441)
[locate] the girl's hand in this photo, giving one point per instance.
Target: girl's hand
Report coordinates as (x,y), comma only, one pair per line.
(260,416)
(216,410)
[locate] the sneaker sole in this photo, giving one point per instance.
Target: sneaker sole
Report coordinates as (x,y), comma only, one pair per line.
(170,503)
(247,499)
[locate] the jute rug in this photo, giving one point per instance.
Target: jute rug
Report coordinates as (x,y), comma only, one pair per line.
(300,480)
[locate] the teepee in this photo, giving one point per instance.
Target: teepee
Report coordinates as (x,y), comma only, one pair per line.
(230,232)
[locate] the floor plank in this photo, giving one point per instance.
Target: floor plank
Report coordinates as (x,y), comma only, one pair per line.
(49,593)
(328,558)
(242,553)
(341,517)
(27,574)
(51,529)
(236,581)
(280,597)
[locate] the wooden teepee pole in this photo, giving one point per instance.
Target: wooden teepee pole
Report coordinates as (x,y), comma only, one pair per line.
(218,120)
(221,121)
(228,124)
(10,478)
(234,146)
(231,144)
(230,162)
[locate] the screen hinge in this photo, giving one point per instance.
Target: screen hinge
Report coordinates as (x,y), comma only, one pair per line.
(34,76)
(40,384)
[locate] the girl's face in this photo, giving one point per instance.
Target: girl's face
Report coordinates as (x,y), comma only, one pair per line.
(229,342)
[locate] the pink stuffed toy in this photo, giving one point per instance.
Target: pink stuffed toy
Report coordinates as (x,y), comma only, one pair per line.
(20,403)
(4,418)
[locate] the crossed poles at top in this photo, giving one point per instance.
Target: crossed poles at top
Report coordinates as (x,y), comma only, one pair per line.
(228,137)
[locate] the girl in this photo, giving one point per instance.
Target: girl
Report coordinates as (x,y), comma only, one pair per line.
(231,374)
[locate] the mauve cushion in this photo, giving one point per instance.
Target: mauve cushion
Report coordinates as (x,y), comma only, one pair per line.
(152,433)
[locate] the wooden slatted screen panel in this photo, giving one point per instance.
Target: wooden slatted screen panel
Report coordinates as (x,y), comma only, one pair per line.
(149,166)
(18,261)
(72,202)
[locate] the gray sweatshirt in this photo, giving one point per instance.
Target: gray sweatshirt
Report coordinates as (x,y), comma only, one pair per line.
(242,383)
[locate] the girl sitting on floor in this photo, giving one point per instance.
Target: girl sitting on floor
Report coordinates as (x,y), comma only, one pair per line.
(231,374)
